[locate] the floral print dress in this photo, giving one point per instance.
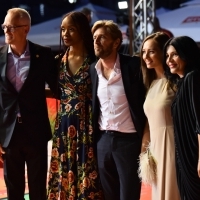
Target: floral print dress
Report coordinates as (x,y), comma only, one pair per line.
(73,170)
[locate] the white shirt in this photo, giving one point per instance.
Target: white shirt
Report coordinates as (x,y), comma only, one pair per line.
(18,67)
(114,109)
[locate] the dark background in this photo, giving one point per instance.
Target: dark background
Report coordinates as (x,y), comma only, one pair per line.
(56,8)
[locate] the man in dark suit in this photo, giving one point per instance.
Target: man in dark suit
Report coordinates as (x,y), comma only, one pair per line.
(118,97)
(24,123)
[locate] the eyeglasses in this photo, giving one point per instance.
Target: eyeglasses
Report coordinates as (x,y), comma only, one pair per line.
(11,28)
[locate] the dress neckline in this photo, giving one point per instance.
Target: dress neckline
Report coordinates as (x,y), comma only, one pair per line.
(67,64)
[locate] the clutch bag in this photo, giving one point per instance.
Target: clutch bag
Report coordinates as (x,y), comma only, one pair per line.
(147,170)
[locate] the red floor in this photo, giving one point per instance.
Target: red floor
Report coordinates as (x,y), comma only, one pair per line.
(2,185)
(145,193)
(146,190)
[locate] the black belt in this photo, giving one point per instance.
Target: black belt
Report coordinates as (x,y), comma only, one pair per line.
(19,120)
(110,132)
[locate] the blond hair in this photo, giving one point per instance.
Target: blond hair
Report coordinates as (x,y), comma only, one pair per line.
(111,27)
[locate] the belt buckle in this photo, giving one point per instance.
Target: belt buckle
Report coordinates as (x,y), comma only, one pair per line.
(19,119)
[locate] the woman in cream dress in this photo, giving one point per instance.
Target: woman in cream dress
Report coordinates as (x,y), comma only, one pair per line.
(159,126)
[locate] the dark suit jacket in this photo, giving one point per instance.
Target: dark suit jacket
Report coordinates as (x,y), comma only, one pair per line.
(31,99)
(134,89)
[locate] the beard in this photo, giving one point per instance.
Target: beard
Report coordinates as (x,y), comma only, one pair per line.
(103,52)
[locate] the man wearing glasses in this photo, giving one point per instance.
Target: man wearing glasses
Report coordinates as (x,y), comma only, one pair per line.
(24,124)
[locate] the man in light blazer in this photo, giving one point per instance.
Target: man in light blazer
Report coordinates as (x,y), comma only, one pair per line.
(118,97)
(25,67)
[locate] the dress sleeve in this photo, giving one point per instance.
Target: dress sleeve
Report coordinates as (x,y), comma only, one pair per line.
(193,83)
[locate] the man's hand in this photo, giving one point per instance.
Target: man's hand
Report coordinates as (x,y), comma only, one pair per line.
(1,152)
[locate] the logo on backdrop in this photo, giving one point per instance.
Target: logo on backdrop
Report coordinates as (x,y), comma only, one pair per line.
(192,19)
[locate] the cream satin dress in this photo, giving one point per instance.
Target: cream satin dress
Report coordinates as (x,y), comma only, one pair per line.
(157,107)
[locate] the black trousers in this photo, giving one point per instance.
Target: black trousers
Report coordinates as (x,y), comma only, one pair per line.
(20,151)
(117,155)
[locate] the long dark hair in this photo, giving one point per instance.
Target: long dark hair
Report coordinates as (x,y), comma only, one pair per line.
(81,23)
(149,74)
(188,51)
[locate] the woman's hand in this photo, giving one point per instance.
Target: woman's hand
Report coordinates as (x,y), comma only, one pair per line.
(198,169)
(145,138)
(144,146)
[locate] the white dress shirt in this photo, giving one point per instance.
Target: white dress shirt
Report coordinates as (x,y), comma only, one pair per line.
(114,109)
(18,68)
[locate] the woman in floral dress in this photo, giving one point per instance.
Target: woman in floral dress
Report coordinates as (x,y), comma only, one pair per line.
(73,171)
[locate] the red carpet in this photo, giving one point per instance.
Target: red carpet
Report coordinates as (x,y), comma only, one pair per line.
(146,190)
(3,187)
(145,193)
